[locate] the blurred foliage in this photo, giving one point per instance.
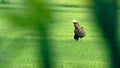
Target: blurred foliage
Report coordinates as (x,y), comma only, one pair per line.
(107,15)
(36,16)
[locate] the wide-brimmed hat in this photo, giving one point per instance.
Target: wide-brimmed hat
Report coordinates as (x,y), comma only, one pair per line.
(74,21)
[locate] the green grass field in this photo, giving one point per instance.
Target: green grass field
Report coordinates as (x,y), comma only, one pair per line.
(19,45)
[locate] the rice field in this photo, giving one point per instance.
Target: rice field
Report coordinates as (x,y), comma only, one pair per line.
(19,44)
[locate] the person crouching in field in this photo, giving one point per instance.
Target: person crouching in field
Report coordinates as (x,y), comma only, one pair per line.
(79,32)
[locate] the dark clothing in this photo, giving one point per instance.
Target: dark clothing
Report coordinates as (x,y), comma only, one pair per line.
(76,37)
(76,25)
(79,31)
